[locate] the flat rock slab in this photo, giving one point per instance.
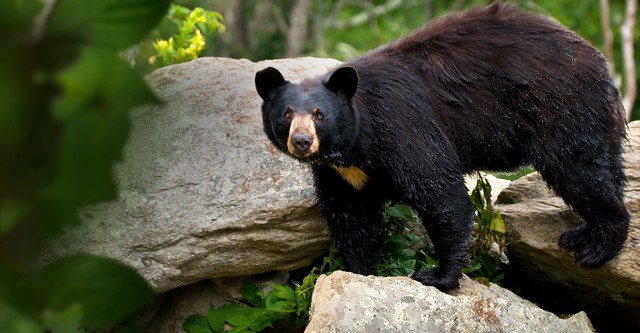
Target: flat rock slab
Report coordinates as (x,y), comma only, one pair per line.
(345,302)
(202,192)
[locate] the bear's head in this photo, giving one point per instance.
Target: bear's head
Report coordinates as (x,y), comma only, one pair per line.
(313,120)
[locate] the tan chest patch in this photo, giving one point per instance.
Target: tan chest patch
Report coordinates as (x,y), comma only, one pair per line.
(352,175)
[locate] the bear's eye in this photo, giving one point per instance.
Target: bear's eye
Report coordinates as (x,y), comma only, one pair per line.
(288,115)
(317,114)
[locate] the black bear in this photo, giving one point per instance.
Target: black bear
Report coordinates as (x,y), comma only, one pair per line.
(492,88)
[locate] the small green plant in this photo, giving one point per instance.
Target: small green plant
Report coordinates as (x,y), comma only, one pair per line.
(484,267)
(284,307)
(489,225)
(403,254)
(189,41)
(489,230)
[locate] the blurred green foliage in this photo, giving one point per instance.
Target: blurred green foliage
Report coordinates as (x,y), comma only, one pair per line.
(65,95)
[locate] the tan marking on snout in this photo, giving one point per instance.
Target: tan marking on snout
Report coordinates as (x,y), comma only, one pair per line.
(303,124)
(352,175)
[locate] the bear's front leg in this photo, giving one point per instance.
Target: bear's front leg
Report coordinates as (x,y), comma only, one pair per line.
(448,218)
(354,218)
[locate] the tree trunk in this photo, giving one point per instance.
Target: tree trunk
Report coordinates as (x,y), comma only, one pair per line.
(626,31)
(297,28)
(607,34)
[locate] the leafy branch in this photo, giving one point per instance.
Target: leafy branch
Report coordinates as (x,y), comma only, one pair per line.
(189,41)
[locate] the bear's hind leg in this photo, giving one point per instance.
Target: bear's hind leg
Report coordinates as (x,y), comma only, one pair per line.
(594,190)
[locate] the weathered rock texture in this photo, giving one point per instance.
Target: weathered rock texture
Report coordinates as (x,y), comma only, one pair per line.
(202,192)
(535,218)
(345,302)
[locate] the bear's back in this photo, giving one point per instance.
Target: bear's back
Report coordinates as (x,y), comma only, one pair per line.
(494,67)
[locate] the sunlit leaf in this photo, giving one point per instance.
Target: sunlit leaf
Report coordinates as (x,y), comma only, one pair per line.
(497,223)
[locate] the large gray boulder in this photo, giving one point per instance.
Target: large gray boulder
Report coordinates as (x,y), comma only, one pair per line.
(345,302)
(202,192)
(535,218)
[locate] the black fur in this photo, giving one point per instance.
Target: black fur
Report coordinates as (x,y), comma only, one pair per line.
(492,88)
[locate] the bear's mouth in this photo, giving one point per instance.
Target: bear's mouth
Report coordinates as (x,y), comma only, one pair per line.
(305,155)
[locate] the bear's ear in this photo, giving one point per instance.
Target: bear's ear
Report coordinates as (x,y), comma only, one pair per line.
(344,80)
(267,80)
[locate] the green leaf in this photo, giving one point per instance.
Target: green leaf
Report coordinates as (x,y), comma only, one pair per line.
(10,212)
(199,324)
(281,298)
(407,253)
(106,290)
(243,316)
(239,330)
(473,267)
(497,223)
(16,16)
(476,198)
(216,319)
(13,321)
(281,307)
(115,24)
(401,212)
(97,93)
(253,294)
(263,320)
(100,80)
(65,321)
(497,277)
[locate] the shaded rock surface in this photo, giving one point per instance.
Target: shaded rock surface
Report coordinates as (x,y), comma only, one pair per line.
(202,192)
(345,302)
(535,218)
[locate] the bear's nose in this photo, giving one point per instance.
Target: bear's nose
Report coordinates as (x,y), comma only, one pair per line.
(302,142)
